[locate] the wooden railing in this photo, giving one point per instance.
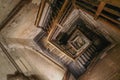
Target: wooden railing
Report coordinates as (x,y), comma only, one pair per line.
(101,9)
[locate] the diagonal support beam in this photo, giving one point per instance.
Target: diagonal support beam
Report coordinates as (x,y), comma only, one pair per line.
(99,9)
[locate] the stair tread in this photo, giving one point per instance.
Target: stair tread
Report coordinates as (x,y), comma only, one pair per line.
(87,56)
(81,60)
(84,58)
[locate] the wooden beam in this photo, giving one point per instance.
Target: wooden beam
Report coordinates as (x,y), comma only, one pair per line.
(100,8)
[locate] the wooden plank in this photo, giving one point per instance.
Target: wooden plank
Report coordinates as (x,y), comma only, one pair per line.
(92,14)
(105,8)
(112,11)
(114,2)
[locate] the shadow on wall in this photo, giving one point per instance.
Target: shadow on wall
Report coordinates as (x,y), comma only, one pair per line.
(21,76)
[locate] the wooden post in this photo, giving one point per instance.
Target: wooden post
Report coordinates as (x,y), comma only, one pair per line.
(39,14)
(66,75)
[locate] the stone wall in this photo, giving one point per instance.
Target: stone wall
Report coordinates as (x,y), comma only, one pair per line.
(18,38)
